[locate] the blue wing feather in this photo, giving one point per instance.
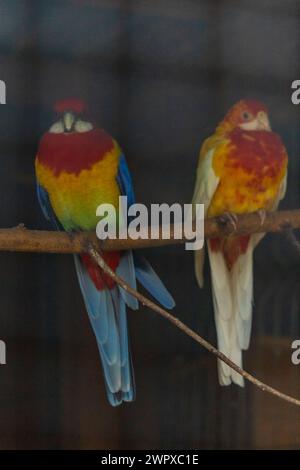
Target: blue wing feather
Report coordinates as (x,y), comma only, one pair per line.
(143,270)
(46,207)
(146,275)
(125,182)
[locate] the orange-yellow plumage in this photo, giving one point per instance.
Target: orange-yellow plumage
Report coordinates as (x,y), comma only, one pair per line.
(251,167)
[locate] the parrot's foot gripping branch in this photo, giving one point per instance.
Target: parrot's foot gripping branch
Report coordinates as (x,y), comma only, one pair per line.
(229,218)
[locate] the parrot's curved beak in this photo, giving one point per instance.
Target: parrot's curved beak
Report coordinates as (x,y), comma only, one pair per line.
(263,121)
(68,121)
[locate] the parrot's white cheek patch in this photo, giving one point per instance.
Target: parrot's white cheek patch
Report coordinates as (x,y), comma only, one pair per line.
(80,126)
(250,126)
(83,126)
(57,128)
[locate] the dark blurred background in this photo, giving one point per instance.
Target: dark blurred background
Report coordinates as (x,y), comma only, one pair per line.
(158,76)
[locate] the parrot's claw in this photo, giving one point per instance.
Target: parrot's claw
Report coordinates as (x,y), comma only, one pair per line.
(229,217)
(262,215)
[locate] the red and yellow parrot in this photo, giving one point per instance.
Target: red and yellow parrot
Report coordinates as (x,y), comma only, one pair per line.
(78,167)
(242,168)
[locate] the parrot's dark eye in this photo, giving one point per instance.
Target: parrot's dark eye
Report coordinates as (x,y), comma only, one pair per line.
(246,116)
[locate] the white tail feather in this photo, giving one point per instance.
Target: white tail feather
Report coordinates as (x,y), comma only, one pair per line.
(199,262)
(232,298)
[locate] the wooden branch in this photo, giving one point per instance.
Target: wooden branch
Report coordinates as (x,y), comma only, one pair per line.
(91,249)
(21,239)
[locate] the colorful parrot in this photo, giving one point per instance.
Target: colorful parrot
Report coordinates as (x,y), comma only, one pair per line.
(242,168)
(78,167)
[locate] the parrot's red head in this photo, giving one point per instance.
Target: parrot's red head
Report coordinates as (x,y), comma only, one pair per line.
(73,142)
(70,117)
(248,115)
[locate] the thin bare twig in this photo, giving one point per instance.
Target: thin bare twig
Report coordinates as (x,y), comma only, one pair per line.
(92,250)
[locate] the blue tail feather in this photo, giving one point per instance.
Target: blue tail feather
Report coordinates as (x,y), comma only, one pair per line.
(151,282)
(107,313)
(126,270)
